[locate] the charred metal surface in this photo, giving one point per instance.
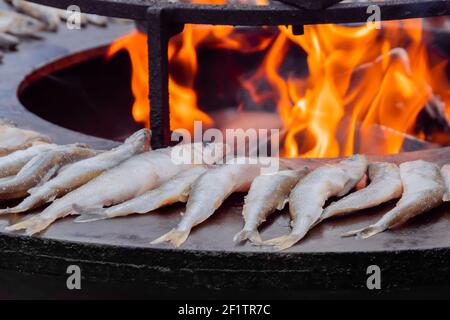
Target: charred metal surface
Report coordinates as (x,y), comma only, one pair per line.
(158,41)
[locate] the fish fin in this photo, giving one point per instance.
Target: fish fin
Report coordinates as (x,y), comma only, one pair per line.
(89,214)
(282,203)
(251,235)
(32,225)
(90,217)
(366,232)
(48,175)
(174,236)
(283,242)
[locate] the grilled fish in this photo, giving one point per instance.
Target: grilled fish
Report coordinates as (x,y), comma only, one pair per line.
(385,185)
(41,168)
(307,199)
(208,193)
(97,20)
(47,15)
(13,138)
(19,24)
(424,189)
(129,179)
(13,162)
(174,190)
(445,172)
(267,194)
(79,173)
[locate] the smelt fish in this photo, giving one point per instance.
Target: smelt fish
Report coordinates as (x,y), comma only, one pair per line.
(13,138)
(307,199)
(267,194)
(423,190)
(40,169)
(385,185)
(208,193)
(128,180)
(79,173)
(174,190)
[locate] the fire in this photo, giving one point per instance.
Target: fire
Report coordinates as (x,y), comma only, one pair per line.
(363,93)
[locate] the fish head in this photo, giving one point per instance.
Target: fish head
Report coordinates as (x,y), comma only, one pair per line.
(140,139)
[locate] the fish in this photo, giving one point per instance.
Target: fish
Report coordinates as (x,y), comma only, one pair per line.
(208,193)
(445,172)
(19,24)
(97,20)
(8,42)
(307,199)
(385,185)
(81,172)
(424,189)
(267,193)
(12,163)
(129,179)
(41,168)
(174,190)
(13,138)
(47,15)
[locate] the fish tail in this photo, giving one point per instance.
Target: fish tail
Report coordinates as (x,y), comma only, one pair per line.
(89,214)
(251,235)
(174,236)
(284,242)
(366,232)
(32,225)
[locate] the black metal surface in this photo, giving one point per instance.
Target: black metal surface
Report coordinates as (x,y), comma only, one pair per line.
(311,4)
(158,41)
(276,13)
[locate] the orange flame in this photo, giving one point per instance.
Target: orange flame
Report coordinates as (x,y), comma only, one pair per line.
(363,93)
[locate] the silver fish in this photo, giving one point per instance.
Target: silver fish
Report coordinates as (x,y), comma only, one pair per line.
(129,179)
(97,20)
(13,138)
(41,168)
(19,24)
(445,172)
(424,189)
(208,193)
(13,162)
(267,194)
(174,190)
(8,42)
(48,15)
(385,185)
(307,199)
(79,173)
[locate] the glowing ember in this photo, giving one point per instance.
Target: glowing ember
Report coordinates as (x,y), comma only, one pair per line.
(364,91)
